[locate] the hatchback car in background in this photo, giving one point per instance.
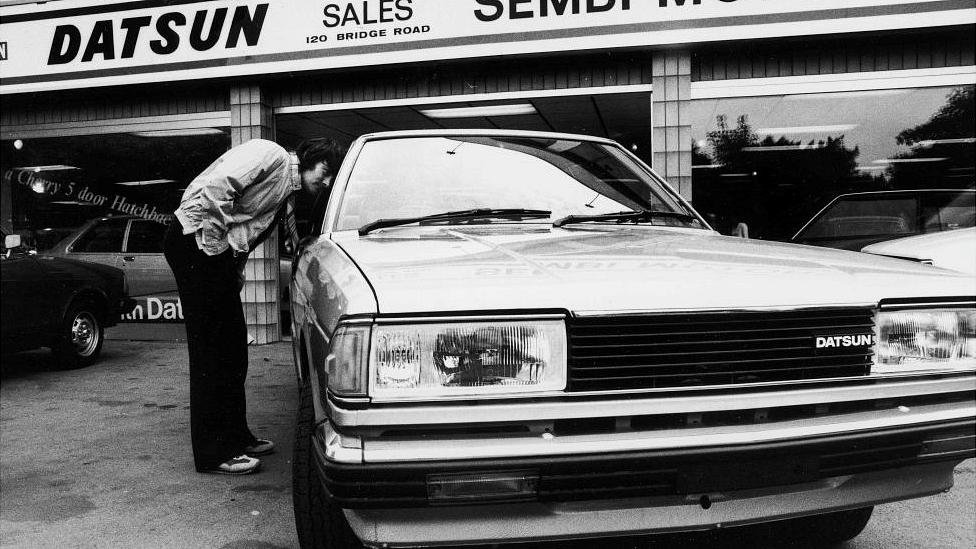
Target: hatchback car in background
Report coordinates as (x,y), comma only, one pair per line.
(852,221)
(135,245)
(953,250)
(58,303)
(131,243)
(513,336)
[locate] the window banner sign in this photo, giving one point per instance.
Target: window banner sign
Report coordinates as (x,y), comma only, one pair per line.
(74,43)
(155,309)
(86,195)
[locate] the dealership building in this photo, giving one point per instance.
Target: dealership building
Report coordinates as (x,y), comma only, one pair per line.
(755,110)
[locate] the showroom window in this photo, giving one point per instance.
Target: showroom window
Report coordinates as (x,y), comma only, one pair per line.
(771,162)
(56,184)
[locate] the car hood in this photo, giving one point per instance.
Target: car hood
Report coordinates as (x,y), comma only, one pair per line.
(609,268)
(955,250)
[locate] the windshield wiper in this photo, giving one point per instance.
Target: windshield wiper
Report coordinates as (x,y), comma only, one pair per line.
(637,216)
(517,214)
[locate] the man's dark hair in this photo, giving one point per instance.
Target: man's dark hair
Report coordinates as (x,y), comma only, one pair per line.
(312,151)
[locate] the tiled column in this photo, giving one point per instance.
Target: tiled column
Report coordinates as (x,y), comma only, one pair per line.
(251,118)
(671,135)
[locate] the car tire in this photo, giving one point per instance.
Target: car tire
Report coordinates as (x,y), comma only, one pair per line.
(320,525)
(80,336)
(831,529)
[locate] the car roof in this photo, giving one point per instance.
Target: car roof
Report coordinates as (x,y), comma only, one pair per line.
(446,132)
(906,191)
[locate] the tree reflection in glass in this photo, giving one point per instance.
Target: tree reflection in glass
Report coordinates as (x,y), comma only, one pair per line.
(816,146)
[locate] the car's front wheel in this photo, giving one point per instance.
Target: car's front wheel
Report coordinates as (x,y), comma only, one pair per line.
(80,336)
(320,524)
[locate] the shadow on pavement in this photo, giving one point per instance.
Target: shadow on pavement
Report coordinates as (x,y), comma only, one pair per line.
(27,363)
(24,364)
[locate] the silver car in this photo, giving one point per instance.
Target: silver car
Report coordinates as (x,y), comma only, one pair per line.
(131,243)
(514,336)
(135,245)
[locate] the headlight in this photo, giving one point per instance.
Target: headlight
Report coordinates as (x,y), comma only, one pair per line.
(467,358)
(925,339)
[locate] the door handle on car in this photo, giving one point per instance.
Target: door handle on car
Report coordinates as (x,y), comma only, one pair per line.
(128,258)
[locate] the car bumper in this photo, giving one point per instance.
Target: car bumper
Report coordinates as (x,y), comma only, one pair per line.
(122,306)
(651,473)
(126,304)
(538,521)
(646,482)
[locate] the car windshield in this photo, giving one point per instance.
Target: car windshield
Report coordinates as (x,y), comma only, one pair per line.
(897,215)
(419,176)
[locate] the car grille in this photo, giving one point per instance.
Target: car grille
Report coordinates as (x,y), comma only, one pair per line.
(713,348)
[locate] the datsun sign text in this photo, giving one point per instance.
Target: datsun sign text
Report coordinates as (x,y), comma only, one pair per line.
(156,309)
(75,43)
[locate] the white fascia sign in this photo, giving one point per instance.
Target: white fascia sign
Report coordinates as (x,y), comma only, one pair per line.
(77,43)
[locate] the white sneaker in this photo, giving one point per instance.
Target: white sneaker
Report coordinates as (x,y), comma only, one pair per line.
(260,448)
(240,465)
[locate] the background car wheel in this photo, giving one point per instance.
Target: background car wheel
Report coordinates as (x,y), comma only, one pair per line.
(831,529)
(320,524)
(80,339)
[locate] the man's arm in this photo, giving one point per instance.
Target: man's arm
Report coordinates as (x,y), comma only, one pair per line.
(224,181)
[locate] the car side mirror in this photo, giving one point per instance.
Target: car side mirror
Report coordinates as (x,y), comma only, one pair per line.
(12,241)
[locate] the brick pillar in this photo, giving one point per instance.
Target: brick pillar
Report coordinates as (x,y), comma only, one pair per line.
(251,118)
(671,125)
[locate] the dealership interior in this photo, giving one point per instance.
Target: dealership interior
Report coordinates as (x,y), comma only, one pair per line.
(796,148)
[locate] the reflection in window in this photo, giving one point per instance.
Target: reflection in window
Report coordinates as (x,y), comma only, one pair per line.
(57,184)
(774,161)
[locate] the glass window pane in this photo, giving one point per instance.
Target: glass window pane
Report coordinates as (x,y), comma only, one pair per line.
(397,178)
(59,183)
(774,161)
(104,237)
(145,237)
(947,212)
(864,218)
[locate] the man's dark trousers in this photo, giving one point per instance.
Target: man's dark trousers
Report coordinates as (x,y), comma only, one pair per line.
(217,344)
